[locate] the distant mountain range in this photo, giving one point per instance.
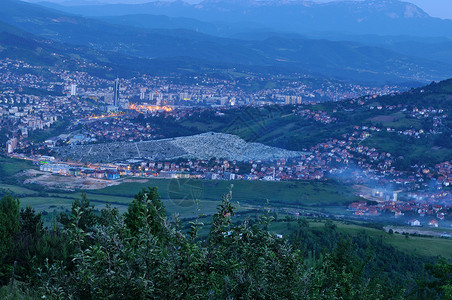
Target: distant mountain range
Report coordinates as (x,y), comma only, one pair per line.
(18,44)
(126,40)
(381,17)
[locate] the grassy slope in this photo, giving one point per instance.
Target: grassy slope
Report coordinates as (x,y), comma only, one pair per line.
(179,196)
(18,190)
(416,245)
(423,246)
(415,150)
(256,192)
(10,166)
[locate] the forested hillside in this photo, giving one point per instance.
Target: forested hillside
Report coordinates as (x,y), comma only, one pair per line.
(146,254)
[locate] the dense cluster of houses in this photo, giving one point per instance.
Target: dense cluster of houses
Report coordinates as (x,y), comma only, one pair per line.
(68,170)
(85,95)
(203,169)
(430,213)
(444,171)
(316,115)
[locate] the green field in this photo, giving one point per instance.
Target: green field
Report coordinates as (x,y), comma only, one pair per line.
(189,198)
(397,120)
(10,167)
(306,193)
(423,246)
(46,203)
(414,150)
(16,189)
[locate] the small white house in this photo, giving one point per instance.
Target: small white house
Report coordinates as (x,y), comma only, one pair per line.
(433,223)
(414,222)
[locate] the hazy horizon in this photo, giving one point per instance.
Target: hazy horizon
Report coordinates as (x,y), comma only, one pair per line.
(435,8)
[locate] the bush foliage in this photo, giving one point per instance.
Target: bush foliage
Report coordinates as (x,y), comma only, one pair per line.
(144,255)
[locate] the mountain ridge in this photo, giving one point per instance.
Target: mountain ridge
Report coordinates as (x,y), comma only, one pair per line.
(388,17)
(342,60)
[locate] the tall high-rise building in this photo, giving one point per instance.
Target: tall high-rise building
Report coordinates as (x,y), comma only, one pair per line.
(73,89)
(116,93)
(159,99)
(11,145)
(142,93)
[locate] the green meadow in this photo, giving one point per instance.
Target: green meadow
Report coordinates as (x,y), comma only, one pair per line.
(189,198)
(10,167)
(422,246)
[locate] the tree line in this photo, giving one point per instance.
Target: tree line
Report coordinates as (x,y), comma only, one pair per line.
(144,254)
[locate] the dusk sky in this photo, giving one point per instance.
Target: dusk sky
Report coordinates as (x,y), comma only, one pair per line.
(436,8)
